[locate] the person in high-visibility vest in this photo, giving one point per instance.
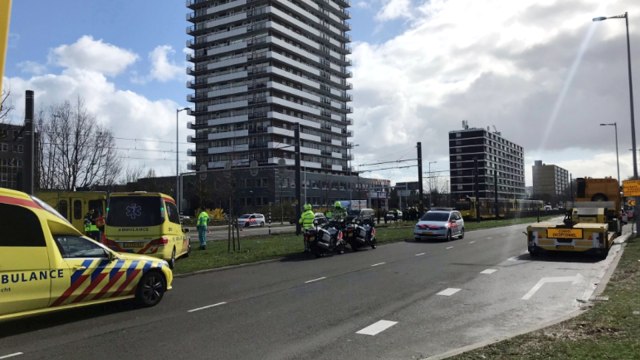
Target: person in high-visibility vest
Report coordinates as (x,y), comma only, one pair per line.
(203,221)
(90,227)
(306,219)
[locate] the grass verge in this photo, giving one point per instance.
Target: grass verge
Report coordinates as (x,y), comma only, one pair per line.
(609,330)
(260,248)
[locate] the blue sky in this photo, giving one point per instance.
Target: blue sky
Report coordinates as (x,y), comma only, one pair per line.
(539,71)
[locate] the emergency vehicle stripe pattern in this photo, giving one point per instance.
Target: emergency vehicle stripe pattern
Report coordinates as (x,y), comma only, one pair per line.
(96,271)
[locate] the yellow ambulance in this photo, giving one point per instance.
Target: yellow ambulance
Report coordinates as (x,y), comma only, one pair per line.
(46,264)
(146,223)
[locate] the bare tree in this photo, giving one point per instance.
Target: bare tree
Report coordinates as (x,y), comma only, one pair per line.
(75,151)
(5,106)
(131,174)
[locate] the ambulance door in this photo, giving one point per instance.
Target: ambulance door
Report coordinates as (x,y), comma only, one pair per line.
(25,274)
(91,272)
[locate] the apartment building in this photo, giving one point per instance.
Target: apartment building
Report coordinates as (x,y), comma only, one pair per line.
(484,161)
(550,182)
(260,68)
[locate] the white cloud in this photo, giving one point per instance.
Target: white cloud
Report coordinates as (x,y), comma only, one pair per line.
(93,55)
(145,129)
(502,63)
(395,9)
(32,67)
(162,69)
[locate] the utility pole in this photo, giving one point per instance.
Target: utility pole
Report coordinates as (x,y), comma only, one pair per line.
(476,186)
(296,133)
(420,187)
(28,138)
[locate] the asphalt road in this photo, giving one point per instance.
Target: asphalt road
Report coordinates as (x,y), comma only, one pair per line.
(408,300)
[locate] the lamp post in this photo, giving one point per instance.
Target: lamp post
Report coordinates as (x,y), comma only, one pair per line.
(625,16)
(615,126)
(177,162)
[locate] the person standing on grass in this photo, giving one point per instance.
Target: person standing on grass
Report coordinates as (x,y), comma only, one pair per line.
(203,221)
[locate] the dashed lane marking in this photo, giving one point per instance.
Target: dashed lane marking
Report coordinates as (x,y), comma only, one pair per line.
(207,307)
(11,355)
(448,292)
(420,254)
(449,247)
(378,264)
(314,280)
(376,328)
(488,271)
(472,242)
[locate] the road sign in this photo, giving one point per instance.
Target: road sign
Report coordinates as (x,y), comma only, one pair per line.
(631,202)
(631,187)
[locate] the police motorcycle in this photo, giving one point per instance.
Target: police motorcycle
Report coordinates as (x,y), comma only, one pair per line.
(325,239)
(358,234)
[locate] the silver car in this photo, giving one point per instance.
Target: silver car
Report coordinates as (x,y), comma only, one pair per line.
(440,224)
(247,220)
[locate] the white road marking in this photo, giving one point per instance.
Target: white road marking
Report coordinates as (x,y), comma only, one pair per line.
(420,254)
(378,264)
(11,355)
(376,328)
(513,258)
(314,280)
(472,242)
(488,271)
(450,247)
(573,279)
(448,292)
(207,307)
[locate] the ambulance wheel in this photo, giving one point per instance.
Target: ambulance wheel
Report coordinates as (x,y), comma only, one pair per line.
(172,261)
(188,251)
(150,289)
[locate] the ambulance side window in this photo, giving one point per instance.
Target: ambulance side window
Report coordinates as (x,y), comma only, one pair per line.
(172,211)
(20,227)
(72,246)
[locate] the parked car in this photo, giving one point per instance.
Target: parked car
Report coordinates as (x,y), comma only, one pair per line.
(364,214)
(393,214)
(440,224)
(247,220)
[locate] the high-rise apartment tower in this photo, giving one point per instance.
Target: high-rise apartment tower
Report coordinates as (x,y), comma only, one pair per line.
(262,66)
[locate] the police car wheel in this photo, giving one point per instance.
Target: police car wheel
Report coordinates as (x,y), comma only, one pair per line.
(150,289)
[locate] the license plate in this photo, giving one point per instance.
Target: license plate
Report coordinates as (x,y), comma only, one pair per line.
(559,233)
(129,245)
(564,247)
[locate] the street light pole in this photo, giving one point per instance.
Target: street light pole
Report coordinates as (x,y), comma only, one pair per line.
(625,16)
(178,162)
(615,125)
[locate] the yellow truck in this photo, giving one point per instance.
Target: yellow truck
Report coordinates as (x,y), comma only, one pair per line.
(591,225)
(74,205)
